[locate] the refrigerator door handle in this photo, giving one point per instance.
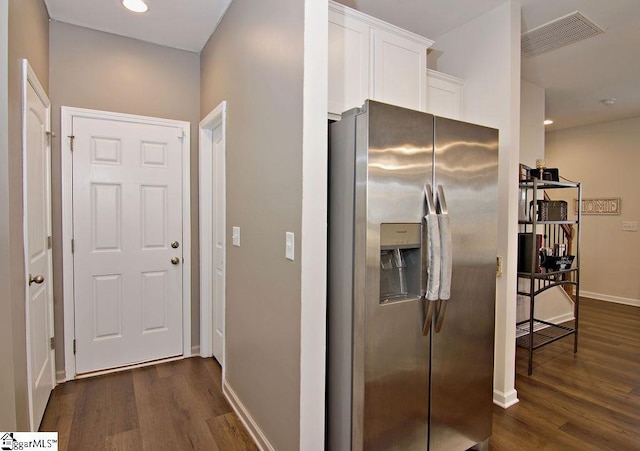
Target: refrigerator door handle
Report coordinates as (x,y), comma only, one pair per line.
(433,258)
(446,256)
(428,317)
(442,309)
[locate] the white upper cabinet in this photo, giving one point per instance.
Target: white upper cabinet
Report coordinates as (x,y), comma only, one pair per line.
(444,94)
(348,62)
(399,68)
(369,58)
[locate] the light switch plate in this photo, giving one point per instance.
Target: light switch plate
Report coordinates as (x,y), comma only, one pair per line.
(235,236)
(289,245)
(630,226)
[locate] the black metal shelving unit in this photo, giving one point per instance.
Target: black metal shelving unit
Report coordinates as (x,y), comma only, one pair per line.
(534,333)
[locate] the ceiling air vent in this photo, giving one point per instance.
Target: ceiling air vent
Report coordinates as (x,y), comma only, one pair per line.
(558,33)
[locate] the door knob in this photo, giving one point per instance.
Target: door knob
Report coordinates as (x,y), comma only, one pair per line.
(175,260)
(37,279)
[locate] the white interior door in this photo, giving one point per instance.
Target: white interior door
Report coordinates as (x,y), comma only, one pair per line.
(127,228)
(212,234)
(37,230)
(219,242)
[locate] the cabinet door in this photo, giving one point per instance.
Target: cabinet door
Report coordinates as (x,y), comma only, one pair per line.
(444,95)
(348,62)
(399,70)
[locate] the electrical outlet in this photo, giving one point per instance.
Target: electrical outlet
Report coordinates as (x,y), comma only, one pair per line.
(630,226)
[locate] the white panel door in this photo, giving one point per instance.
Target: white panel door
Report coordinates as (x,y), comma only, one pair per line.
(218,209)
(37,228)
(127,212)
(399,70)
(348,62)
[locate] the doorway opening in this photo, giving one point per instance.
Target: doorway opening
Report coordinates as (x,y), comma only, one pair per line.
(212,234)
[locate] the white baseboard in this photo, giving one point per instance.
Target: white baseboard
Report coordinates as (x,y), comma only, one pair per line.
(252,427)
(195,350)
(61,376)
(609,298)
(560,319)
(505,400)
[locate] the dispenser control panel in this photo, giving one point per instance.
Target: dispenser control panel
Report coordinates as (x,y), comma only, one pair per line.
(400,261)
(399,236)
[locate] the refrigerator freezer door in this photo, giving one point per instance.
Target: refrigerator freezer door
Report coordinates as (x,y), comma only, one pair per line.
(391,172)
(466,165)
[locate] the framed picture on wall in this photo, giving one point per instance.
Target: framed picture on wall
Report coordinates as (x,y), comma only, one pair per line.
(599,206)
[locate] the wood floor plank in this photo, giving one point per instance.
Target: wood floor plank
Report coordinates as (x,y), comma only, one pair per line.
(604,439)
(156,425)
(58,416)
(189,410)
(230,434)
(517,434)
(603,394)
(105,407)
(124,441)
(207,396)
(561,408)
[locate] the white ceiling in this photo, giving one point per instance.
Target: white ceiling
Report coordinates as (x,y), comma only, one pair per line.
(183,24)
(575,77)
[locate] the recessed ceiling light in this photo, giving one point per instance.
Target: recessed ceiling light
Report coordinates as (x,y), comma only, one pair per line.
(548,122)
(137,6)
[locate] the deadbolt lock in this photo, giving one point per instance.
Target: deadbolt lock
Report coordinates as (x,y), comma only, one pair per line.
(175,244)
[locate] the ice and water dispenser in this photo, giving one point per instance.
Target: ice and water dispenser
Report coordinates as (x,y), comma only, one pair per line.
(400,262)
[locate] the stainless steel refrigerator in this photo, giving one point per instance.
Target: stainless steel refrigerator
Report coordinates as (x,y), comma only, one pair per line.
(412,267)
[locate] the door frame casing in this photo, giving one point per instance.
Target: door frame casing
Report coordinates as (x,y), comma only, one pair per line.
(67,115)
(217,117)
(29,77)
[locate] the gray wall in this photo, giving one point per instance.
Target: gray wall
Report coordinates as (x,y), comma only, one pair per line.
(8,413)
(604,157)
(102,71)
(254,61)
(27,38)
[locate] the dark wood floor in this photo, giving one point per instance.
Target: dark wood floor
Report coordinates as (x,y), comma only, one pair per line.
(584,401)
(171,406)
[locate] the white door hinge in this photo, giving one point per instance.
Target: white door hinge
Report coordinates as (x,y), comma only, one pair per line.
(49,242)
(52,343)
